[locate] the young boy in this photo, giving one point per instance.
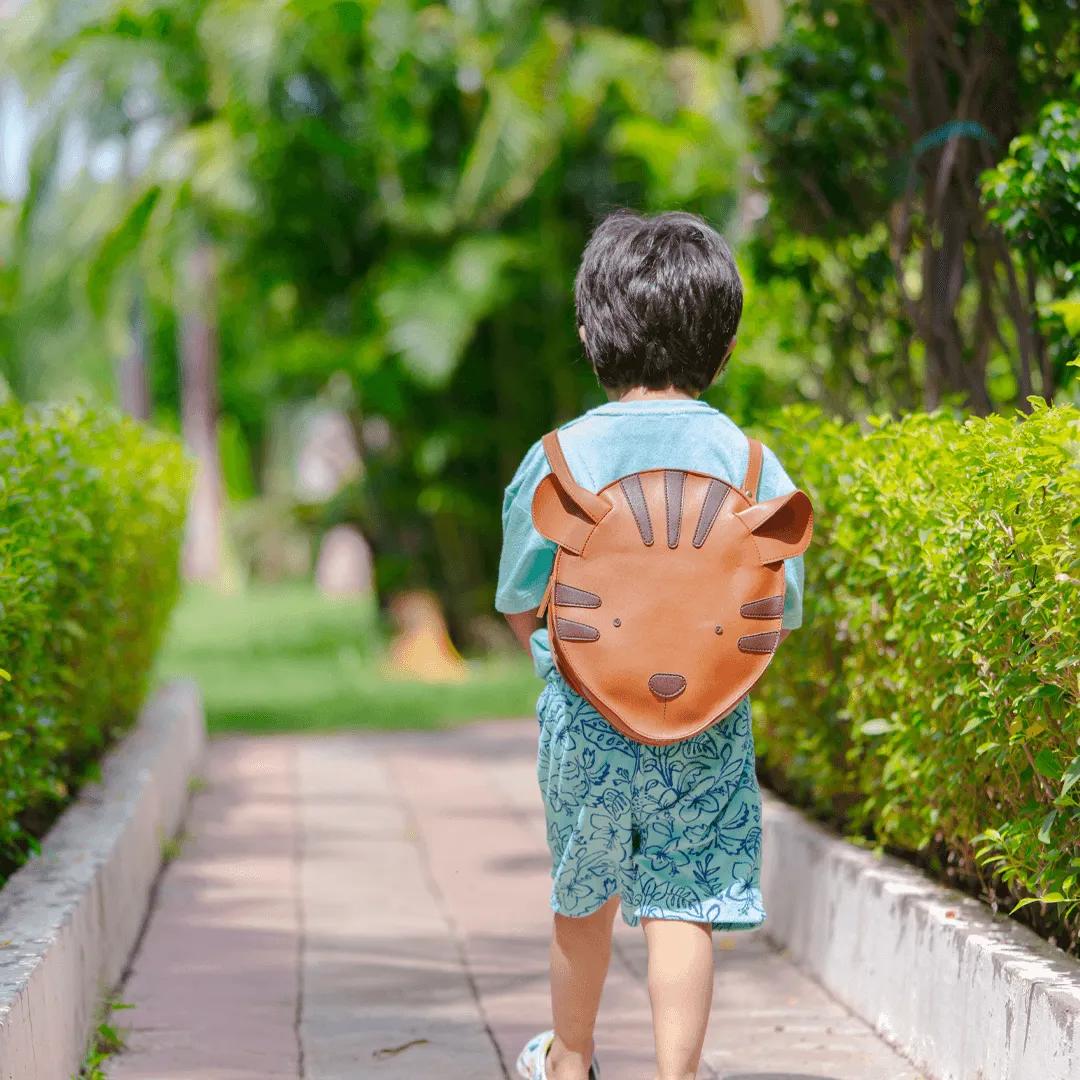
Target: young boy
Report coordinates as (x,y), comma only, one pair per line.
(672,834)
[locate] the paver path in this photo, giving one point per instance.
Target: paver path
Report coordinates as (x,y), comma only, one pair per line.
(376,906)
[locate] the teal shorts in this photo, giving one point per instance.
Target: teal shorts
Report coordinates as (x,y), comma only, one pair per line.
(674,831)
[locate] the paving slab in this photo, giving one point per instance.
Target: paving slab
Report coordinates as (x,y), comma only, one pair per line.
(476,802)
(377,906)
(215,984)
(386,992)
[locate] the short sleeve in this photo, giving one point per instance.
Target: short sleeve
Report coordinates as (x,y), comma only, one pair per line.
(527,557)
(775,481)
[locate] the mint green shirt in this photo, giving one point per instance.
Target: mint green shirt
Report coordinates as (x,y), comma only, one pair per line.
(605,444)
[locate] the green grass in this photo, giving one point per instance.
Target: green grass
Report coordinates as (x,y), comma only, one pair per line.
(106,1040)
(282,658)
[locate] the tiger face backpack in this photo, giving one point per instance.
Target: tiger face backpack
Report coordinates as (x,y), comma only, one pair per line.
(666,596)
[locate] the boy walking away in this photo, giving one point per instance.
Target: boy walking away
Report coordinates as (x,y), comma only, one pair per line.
(665,549)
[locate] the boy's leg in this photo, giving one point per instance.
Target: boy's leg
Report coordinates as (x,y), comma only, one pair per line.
(680,989)
(580,955)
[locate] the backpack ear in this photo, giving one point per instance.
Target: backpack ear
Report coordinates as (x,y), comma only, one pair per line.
(781,527)
(559,519)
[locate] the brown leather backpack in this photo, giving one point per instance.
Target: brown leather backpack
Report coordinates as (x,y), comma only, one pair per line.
(666,596)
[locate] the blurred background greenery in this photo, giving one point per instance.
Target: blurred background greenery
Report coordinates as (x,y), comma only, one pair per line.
(234,216)
(284,658)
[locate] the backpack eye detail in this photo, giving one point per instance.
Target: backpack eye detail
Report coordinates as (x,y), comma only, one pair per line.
(616,622)
(719,629)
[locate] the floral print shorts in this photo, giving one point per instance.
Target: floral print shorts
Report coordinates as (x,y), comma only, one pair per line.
(674,831)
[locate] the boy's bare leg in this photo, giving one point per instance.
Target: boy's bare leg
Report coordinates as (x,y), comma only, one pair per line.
(580,955)
(680,989)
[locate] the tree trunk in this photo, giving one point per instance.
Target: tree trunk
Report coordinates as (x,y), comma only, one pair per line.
(955,70)
(1042,353)
(134,377)
(199,406)
(1019,314)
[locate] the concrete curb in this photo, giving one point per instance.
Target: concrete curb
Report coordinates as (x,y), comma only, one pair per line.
(73,915)
(964,994)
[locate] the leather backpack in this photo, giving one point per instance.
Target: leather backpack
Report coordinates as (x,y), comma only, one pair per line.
(667,592)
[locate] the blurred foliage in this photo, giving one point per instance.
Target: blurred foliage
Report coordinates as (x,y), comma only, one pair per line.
(935,705)
(283,658)
(1033,196)
(398,191)
(1034,193)
(91,513)
(874,120)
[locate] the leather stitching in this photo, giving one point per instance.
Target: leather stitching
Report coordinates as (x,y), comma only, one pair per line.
(710,510)
(588,502)
(760,643)
(568,630)
(752,479)
(772,607)
(674,486)
(568,596)
(761,554)
(631,488)
(666,686)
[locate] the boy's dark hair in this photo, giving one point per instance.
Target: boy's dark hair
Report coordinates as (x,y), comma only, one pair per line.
(659,300)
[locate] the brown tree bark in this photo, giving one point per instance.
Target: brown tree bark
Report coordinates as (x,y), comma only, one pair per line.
(955,72)
(198,347)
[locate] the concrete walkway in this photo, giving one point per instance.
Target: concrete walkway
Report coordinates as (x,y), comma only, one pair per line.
(376,906)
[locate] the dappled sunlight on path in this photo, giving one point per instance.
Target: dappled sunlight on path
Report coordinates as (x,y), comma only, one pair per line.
(376,906)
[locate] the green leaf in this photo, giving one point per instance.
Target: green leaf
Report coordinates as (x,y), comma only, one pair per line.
(1070,777)
(1048,764)
(117,248)
(1048,822)
(876,727)
(1069,310)
(1026,902)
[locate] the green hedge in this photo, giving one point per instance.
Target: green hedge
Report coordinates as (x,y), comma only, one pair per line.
(932,702)
(91,514)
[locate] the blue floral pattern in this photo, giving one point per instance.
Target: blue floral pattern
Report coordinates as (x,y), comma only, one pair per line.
(674,831)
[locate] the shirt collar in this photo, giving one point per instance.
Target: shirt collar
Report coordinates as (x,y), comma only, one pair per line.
(654,404)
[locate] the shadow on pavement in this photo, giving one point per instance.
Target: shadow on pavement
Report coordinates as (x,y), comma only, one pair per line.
(773,1076)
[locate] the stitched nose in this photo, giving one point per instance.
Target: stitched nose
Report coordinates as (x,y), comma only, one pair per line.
(666,686)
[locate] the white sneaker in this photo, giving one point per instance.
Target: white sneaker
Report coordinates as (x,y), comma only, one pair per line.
(532,1061)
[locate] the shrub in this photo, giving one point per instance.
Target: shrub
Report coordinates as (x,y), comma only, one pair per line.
(91,513)
(933,702)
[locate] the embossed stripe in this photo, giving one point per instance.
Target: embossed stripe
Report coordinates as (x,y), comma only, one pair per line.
(758,643)
(772,607)
(714,499)
(631,488)
(674,485)
(568,596)
(568,630)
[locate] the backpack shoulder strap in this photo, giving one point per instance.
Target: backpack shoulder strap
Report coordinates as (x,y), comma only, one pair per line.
(753,471)
(590,504)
